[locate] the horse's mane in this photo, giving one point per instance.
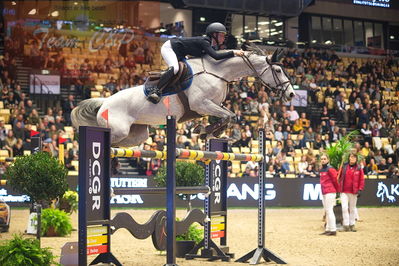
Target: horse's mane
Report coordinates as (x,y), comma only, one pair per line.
(256,49)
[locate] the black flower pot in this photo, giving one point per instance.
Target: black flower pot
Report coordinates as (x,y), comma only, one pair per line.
(184,247)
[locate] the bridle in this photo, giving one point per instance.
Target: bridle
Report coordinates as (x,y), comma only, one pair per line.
(280,87)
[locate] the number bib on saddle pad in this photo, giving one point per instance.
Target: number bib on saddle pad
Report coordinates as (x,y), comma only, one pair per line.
(180,82)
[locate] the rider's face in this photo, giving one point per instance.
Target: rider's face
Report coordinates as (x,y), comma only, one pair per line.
(220,36)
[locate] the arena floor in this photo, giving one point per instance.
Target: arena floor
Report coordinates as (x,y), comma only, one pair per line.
(292,234)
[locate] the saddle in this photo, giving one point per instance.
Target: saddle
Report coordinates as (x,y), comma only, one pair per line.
(177,84)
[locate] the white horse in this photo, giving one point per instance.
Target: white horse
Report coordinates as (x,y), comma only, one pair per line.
(130,114)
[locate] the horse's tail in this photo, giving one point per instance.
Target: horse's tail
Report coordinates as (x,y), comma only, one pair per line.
(85,114)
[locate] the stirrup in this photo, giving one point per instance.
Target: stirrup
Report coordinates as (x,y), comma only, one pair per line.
(154,98)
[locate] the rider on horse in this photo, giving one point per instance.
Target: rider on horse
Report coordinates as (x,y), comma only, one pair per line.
(177,49)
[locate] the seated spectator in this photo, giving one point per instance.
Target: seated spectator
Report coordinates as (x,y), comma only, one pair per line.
(310,157)
(318,143)
(281,161)
(309,135)
(3,134)
(302,166)
(366,132)
(10,141)
(336,135)
(50,116)
(18,130)
(309,171)
(341,108)
(304,121)
(271,171)
(375,131)
(278,134)
(383,167)
(181,142)
(18,149)
(298,127)
(300,143)
(289,148)
(278,148)
(244,141)
(365,151)
(287,131)
(33,118)
(59,125)
(393,172)
(371,168)
(236,132)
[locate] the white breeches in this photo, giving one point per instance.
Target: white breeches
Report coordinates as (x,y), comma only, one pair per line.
(329,203)
(169,56)
(348,202)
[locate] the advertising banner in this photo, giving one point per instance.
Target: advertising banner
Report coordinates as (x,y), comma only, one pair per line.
(241,192)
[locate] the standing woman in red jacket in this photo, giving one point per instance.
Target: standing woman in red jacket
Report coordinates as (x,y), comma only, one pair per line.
(329,188)
(352,183)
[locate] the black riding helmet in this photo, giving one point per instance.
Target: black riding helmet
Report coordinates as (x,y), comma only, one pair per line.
(215,27)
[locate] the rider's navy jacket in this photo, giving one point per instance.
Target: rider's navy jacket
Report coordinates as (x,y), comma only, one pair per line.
(196,46)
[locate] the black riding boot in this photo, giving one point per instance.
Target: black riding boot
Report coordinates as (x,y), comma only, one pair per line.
(155,93)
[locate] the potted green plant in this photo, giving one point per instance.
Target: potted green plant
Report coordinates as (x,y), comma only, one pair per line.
(68,202)
(187,241)
(20,251)
(187,175)
(55,223)
(40,176)
(338,154)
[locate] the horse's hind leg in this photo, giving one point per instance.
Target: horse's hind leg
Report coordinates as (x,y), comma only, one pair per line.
(137,135)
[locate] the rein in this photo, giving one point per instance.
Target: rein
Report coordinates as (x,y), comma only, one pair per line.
(280,88)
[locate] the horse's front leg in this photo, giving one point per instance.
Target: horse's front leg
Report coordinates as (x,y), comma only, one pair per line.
(210,108)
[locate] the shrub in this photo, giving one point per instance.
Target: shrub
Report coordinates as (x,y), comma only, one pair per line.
(40,176)
(69,202)
(19,251)
(59,220)
(193,233)
(187,175)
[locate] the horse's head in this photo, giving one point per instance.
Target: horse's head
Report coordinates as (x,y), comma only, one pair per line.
(273,75)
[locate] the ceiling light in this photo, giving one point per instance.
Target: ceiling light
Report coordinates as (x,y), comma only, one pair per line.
(32,12)
(75,3)
(263,23)
(55,13)
(202,19)
(13,3)
(314,41)
(392,37)
(278,24)
(328,42)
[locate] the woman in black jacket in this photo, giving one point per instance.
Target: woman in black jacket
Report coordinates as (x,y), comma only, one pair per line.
(177,49)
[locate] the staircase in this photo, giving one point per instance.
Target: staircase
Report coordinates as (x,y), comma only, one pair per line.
(315,112)
(23,75)
(126,168)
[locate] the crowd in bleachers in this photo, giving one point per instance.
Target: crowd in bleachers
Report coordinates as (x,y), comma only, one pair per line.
(352,93)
